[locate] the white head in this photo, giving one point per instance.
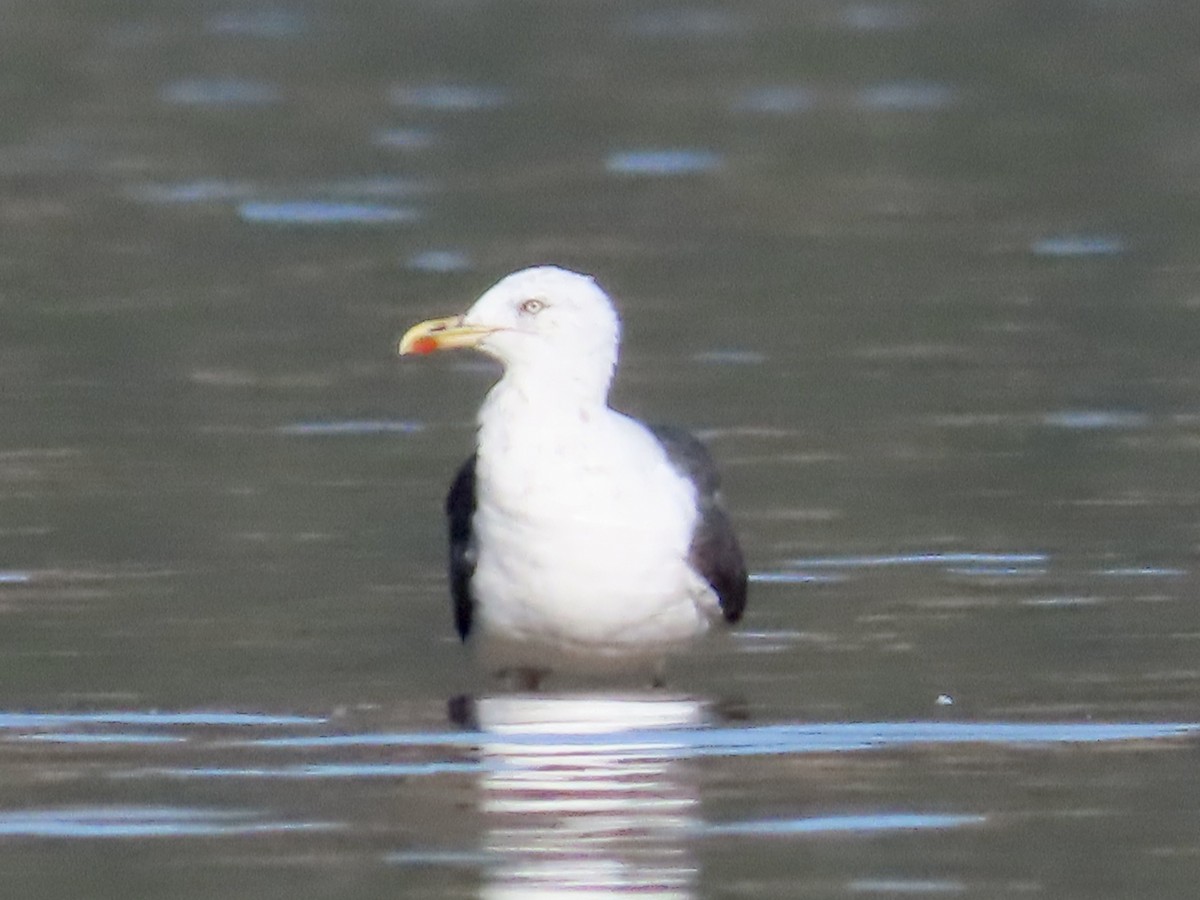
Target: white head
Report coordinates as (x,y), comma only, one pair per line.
(545,324)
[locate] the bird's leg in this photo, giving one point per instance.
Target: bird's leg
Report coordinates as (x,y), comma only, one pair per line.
(658,680)
(527,679)
(462,711)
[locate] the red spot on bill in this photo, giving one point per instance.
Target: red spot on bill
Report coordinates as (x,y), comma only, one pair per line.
(424,345)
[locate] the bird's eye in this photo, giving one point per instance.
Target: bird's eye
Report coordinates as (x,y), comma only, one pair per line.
(533,306)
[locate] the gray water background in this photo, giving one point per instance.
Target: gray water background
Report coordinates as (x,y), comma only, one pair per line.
(924,276)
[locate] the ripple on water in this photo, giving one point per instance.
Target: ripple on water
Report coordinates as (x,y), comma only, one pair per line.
(880,16)
(731,357)
(937,558)
(214,190)
(778,641)
(893,886)
(908,96)
(220,92)
(860,736)
(673,727)
(997,571)
(450,97)
(686,22)
(1095,419)
(374,186)
(262,23)
(1142,572)
(757,740)
(794,578)
(351,427)
(970,565)
(149,718)
(861,824)
(404,138)
(441,262)
(124,737)
(779,99)
(435,857)
(204,190)
(313,771)
(317,212)
(1066,246)
(682,161)
(1061,602)
(142,822)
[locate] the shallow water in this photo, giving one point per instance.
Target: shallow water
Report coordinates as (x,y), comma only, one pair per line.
(922,275)
(640,793)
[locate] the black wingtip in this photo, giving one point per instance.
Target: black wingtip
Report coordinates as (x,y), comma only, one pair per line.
(715,553)
(460,507)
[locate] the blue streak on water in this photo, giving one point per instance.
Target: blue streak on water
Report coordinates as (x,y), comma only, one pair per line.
(141,822)
(682,161)
(52,720)
(439,261)
(920,559)
(1068,246)
(450,97)
(908,96)
(316,212)
(818,737)
(351,427)
(220,92)
(214,190)
(863,824)
(1095,419)
(14,577)
(837,737)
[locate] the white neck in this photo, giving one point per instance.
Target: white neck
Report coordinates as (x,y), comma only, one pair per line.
(548,387)
(547,401)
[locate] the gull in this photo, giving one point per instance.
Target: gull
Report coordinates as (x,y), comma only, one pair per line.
(581,540)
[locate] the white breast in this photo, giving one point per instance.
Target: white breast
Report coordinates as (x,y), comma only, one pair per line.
(583,528)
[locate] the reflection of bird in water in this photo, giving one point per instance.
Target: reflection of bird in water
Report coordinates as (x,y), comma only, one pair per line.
(580,539)
(585,795)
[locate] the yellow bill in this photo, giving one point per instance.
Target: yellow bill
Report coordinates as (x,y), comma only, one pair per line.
(441,334)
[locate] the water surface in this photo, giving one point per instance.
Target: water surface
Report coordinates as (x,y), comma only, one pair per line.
(922,276)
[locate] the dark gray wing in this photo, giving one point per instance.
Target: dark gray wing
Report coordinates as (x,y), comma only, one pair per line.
(460,507)
(714,552)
